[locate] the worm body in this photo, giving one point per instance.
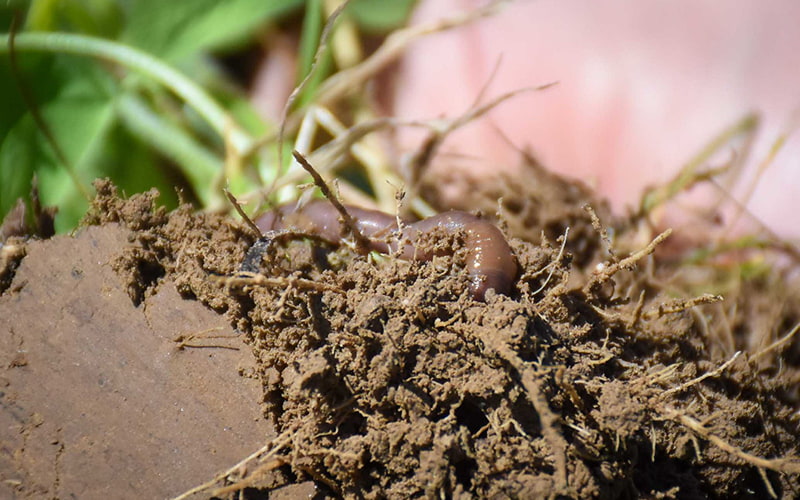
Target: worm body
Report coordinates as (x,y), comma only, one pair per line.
(490,262)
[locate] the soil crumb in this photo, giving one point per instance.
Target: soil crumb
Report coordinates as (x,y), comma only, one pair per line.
(601,375)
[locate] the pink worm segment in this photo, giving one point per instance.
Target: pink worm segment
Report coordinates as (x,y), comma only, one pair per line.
(490,261)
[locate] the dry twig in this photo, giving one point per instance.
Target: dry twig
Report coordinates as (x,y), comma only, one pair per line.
(241,213)
(362,242)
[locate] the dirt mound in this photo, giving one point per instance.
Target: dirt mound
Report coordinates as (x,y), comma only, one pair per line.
(386,378)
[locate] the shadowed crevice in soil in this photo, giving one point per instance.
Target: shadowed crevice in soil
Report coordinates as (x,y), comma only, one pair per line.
(21,223)
(12,251)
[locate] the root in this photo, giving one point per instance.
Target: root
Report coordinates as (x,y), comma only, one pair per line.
(244,279)
(786,465)
(699,379)
(551,429)
(183,340)
(778,343)
(601,230)
(553,264)
(628,263)
(680,305)
(262,454)
(637,312)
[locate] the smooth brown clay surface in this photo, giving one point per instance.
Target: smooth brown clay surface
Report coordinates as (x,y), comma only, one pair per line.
(97,400)
(384,378)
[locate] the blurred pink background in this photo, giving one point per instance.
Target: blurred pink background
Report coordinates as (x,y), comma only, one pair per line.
(643,86)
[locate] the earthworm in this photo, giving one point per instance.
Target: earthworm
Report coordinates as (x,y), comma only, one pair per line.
(490,261)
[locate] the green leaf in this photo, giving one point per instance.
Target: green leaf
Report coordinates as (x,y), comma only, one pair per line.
(17,165)
(81,115)
(380,17)
(91,17)
(309,41)
(74,100)
(173,30)
(313,25)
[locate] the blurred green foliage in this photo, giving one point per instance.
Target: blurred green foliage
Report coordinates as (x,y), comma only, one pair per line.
(111,122)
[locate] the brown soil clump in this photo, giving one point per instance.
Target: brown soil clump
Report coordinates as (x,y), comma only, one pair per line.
(597,377)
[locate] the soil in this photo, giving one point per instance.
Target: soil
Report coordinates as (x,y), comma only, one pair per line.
(138,362)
